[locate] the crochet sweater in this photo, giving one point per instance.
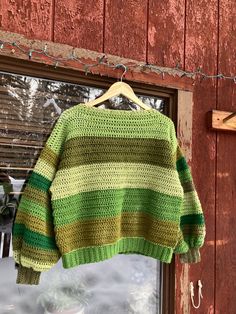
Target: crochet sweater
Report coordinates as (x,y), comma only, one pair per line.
(107,182)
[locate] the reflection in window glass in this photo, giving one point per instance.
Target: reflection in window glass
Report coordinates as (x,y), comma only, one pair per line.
(124,284)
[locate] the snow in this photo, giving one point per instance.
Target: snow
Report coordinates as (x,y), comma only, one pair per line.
(124,284)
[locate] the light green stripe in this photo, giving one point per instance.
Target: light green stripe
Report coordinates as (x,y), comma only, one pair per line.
(33,263)
(32,208)
(96,122)
(116,131)
(115,176)
(45,169)
(191,203)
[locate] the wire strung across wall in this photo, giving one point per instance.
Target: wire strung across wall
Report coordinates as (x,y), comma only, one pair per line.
(103,61)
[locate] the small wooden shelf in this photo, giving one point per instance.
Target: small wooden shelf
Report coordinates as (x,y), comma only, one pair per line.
(223,120)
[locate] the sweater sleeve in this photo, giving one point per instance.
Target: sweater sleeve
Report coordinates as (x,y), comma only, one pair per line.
(34,245)
(192,225)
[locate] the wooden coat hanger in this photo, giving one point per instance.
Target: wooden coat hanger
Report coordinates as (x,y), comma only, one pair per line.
(116,89)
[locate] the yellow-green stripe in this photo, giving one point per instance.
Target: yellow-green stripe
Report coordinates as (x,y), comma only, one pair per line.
(115,176)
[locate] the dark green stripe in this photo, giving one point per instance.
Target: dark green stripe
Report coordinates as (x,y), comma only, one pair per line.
(193,229)
(188,186)
(185,176)
(40,182)
(105,149)
(33,238)
(181,164)
(192,219)
(112,202)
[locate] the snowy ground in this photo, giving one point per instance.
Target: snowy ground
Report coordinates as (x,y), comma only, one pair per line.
(125,284)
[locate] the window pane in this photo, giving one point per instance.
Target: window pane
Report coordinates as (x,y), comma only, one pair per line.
(124,284)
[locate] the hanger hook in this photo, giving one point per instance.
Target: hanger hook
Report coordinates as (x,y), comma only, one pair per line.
(118,66)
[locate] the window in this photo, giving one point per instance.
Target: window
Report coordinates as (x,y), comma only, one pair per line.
(29,107)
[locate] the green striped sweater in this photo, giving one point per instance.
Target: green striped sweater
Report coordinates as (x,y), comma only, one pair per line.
(107,182)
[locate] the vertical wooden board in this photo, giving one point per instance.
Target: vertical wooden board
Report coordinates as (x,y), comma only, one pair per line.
(201,35)
(166,32)
(33,18)
(79,23)
(201,50)
(184,134)
(227,50)
(225,224)
(126,28)
(226,167)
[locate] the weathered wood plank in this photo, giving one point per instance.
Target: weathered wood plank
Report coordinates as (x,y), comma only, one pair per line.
(226,168)
(227,62)
(166,48)
(223,120)
(166,32)
(79,23)
(201,50)
(184,134)
(73,68)
(126,28)
(32,18)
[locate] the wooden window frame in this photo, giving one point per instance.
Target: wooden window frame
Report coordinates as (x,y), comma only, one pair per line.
(180,111)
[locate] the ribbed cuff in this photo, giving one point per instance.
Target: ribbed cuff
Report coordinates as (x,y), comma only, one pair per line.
(27,276)
(192,256)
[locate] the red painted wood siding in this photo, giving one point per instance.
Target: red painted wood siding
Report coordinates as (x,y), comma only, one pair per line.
(33,18)
(201,50)
(226,167)
(192,33)
(79,23)
(166,31)
(126,28)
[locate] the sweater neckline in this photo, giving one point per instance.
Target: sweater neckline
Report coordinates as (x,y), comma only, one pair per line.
(116,112)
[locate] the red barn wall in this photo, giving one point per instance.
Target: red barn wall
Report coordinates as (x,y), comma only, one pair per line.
(194,34)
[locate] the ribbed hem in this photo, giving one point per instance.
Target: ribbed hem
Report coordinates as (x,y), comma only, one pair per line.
(192,256)
(126,245)
(27,276)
